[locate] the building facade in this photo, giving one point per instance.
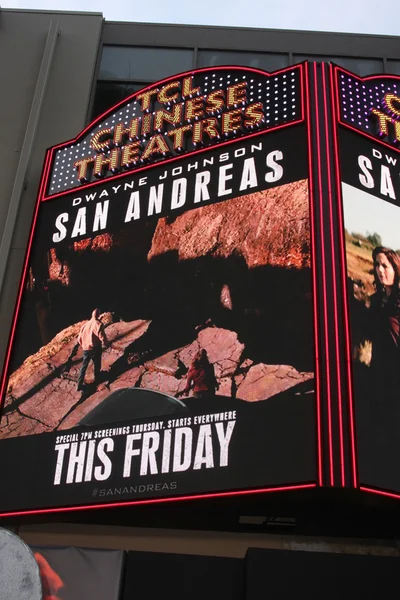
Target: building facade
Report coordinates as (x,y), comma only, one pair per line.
(90,64)
(66,70)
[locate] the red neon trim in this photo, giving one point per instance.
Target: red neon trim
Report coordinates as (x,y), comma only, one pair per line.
(339,117)
(22,284)
(325,302)
(338,369)
(168,160)
(159,500)
(379,76)
(314,279)
(379,492)
(303,86)
(343,264)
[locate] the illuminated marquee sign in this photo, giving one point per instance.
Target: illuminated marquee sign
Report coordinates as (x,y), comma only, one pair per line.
(389,124)
(175,214)
(196,214)
(179,115)
(367,138)
(370,105)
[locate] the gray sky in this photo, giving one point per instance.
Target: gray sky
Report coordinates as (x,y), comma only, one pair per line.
(364,213)
(356,16)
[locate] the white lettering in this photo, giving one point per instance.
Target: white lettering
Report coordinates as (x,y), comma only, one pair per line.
(155,199)
(224,440)
(249,175)
(201,190)
(130,452)
(76,461)
(366,178)
(62,230)
(60,449)
(178,196)
(204,449)
(80,223)
(277,170)
(100,215)
(133,210)
(104,472)
(181,461)
(387,188)
(151,442)
(223,178)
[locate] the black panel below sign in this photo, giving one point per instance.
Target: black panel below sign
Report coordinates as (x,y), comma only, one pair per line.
(314,575)
(154,575)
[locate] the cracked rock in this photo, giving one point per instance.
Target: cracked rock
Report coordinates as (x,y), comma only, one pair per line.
(42,394)
(269,227)
(263,381)
(223,348)
(44,386)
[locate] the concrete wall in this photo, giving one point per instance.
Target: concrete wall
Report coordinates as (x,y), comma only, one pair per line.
(63,112)
(206,543)
(252,39)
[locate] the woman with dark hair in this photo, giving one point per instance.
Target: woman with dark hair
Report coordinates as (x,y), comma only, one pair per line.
(201,377)
(378,390)
(385,323)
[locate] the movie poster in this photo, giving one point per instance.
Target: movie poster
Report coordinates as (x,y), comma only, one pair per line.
(194,281)
(371,208)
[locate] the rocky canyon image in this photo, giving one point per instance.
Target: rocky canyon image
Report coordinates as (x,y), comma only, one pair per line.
(232,278)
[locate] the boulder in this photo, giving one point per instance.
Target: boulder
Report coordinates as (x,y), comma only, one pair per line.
(223,348)
(266,228)
(42,391)
(263,381)
(128,379)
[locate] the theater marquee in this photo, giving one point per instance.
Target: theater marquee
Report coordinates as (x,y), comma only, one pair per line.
(183,215)
(201,296)
(368,136)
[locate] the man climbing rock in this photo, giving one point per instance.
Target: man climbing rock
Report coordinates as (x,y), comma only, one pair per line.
(91,337)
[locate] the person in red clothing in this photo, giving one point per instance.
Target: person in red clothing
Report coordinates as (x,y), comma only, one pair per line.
(201,377)
(51,581)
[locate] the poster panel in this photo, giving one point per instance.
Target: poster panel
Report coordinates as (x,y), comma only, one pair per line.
(185,289)
(369,162)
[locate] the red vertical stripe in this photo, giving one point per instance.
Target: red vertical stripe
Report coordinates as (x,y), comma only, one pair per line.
(335,113)
(334,282)
(323,270)
(314,278)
